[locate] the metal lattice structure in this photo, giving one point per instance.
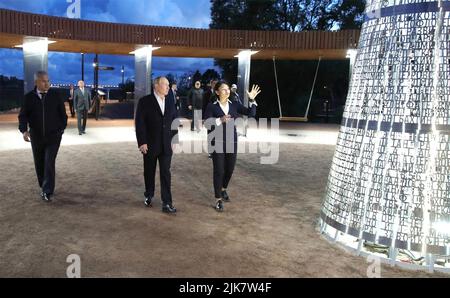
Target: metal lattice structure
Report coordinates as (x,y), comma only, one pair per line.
(389,182)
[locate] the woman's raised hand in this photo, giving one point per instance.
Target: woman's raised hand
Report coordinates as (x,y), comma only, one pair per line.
(255,91)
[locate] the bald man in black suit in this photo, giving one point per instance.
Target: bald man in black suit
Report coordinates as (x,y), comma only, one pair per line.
(154,116)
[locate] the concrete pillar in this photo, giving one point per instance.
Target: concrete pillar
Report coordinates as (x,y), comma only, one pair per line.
(142,73)
(35,58)
(243,77)
(243,80)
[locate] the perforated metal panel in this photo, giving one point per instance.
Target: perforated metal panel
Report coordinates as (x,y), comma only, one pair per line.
(390,178)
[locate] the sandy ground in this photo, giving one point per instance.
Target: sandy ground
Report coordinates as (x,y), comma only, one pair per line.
(267,230)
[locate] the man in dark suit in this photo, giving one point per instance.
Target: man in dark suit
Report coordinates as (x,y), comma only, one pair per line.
(209,96)
(173,96)
(195,104)
(154,117)
(234,96)
(42,120)
(82,103)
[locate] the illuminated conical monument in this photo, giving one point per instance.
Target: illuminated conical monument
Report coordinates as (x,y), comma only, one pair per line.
(389,184)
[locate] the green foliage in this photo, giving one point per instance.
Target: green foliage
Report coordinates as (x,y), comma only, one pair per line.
(286,15)
(208,75)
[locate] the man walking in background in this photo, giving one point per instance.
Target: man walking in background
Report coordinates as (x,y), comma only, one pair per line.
(82,102)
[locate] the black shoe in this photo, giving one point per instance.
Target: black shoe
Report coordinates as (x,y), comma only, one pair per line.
(219,206)
(169,209)
(148,201)
(46,197)
(79,133)
(225,196)
(83,132)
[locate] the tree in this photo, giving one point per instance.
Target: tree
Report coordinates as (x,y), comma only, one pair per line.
(196,77)
(244,15)
(287,15)
(300,15)
(208,75)
(184,83)
(171,77)
(350,15)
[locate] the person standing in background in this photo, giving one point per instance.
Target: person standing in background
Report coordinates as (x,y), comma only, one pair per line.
(82,103)
(195,104)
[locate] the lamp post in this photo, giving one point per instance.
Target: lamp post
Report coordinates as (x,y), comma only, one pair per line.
(97,67)
(123,74)
(82,66)
(96,99)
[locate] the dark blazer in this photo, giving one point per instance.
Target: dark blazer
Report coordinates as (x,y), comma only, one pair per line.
(80,101)
(208,97)
(45,118)
(213,111)
(235,97)
(154,129)
(173,97)
(195,98)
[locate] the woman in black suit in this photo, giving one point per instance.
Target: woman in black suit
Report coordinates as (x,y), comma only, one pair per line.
(223,143)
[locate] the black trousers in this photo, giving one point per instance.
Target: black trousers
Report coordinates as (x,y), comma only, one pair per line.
(164,174)
(82,115)
(97,108)
(72,110)
(44,154)
(196,119)
(223,165)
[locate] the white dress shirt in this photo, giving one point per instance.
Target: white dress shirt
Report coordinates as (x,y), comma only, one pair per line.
(226,108)
(39,93)
(161,102)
